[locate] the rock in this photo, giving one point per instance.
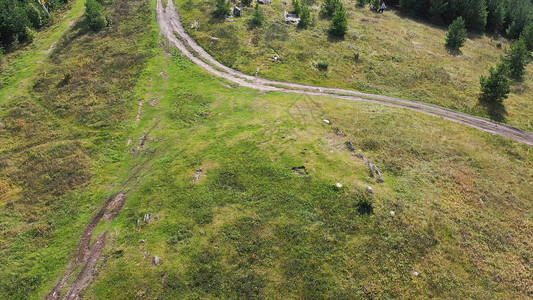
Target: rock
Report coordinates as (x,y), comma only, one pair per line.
(138,223)
(143,241)
(350,146)
(369,190)
(338,184)
(392,213)
(415,273)
(197,175)
(157,260)
(340,132)
(146,218)
(194,25)
(326,121)
(202,232)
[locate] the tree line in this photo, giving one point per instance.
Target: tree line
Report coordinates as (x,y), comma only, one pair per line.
(20,18)
(509,18)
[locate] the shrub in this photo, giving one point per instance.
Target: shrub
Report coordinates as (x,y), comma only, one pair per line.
(323,65)
(339,23)
(305,17)
(296,7)
(495,87)
(95,15)
(246,2)
(516,60)
(329,7)
(222,9)
(257,16)
(456,34)
(362,3)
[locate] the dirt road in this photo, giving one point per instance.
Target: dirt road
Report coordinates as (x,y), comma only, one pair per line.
(171,27)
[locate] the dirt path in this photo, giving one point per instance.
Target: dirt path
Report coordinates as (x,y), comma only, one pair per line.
(171,27)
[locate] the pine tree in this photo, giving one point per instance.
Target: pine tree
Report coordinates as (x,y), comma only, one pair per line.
(222,9)
(329,7)
(339,23)
(456,34)
(516,60)
(305,17)
(257,16)
(495,15)
(296,7)
(95,15)
(495,87)
(527,36)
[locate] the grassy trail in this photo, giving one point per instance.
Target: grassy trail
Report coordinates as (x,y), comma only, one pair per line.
(21,65)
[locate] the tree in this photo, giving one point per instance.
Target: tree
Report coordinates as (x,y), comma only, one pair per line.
(527,36)
(376,4)
(495,15)
(329,7)
(339,23)
(495,87)
(296,7)
(13,24)
(456,34)
(257,16)
(362,3)
(474,13)
(222,9)
(95,15)
(438,10)
(516,60)
(305,17)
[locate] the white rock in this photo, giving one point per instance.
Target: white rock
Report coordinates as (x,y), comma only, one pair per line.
(370,190)
(392,213)
(157,260)
(415,273)
(326,121)
(339,185)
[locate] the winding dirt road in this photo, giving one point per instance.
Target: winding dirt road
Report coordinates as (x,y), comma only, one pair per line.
(171,27)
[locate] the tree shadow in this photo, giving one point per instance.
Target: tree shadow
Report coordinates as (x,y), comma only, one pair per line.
(334,38)
(496,111)
(454,51)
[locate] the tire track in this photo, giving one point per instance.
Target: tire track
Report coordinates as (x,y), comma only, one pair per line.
(171,27)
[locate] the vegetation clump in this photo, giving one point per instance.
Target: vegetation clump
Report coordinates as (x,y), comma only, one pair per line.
(95,14)
(257,16)
(496,87)
(222,9)
(517,60)
(456,34)
(339,23)
(329,7)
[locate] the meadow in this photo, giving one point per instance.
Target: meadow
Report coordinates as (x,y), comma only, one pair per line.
(382,53)
(452,218)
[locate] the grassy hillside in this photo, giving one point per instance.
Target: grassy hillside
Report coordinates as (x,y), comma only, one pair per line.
(396,55)
(62,134)
(250,226)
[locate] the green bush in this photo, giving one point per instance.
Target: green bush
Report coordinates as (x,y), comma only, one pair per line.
(222,9)
(516,60)
(456,34)
(339,23)
(246,2)
(362,3)
(495,87)
(257,16)
(329,7)
(305,17)
(323,65)
(95,15)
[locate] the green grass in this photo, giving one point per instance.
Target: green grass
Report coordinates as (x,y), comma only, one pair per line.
(396,56)
(250,227)
(20,66)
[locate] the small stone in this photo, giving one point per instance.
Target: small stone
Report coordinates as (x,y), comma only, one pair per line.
(157,260)
(326,121)
(415,273)
(392,213)
(146,218)
(369,190)
(350,146)
(143,241)
(338,184)
(202,232)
